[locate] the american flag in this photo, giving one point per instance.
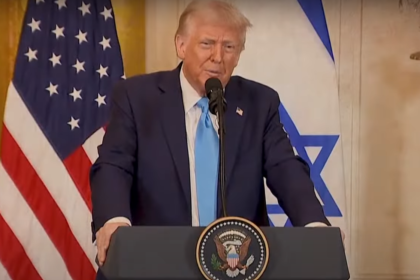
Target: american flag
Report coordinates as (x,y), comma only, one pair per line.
(57,105)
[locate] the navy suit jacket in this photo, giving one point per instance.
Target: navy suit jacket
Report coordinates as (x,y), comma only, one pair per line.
(142,171)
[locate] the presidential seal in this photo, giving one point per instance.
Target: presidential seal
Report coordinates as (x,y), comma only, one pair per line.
(232,248)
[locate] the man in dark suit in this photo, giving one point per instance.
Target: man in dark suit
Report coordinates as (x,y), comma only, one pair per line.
(158,161)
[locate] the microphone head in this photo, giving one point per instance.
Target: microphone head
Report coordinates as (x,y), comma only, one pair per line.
(213,84)
(214,92)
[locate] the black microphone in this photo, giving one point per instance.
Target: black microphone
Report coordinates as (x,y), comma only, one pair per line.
(217,106)
(214,91)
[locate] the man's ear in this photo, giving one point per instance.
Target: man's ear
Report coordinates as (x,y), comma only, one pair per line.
(180,43)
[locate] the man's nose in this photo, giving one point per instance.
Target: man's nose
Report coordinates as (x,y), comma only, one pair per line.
(217,54)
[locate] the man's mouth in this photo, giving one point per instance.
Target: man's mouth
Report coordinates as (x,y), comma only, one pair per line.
(213,73)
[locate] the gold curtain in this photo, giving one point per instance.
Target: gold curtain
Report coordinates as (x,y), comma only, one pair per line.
(130,21)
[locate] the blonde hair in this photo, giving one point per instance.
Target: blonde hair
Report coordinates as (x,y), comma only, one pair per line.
(217,9)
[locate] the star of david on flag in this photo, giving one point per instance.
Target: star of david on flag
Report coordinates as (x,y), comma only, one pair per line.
(298,62)
(300,143)
(326,127)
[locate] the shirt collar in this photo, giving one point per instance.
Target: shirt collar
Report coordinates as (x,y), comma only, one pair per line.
(189,96)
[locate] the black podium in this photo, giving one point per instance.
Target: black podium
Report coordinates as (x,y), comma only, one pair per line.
(165,253)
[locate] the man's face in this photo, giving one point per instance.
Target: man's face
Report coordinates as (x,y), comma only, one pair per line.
(209,50)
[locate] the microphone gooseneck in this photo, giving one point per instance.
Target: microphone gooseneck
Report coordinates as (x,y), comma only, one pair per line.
(217,106)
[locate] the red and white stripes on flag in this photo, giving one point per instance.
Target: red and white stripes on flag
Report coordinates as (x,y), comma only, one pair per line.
(45,211)
(67,63)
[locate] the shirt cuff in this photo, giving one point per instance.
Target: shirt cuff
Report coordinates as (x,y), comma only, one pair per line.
(316,224)
(119,220)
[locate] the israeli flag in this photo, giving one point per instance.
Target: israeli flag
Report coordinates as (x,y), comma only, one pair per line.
(289,49)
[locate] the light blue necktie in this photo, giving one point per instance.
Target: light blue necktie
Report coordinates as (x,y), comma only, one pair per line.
(206,165)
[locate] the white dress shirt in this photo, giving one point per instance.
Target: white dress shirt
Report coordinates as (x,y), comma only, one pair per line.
(192,115)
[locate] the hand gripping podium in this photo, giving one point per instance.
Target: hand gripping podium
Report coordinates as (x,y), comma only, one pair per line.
(187,253)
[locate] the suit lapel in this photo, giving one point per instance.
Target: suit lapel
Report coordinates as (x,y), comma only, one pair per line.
(173,124)
(235,117)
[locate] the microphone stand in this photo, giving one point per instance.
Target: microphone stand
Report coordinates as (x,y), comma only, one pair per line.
(220,109)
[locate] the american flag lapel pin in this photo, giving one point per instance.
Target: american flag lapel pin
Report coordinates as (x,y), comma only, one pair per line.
(239,111)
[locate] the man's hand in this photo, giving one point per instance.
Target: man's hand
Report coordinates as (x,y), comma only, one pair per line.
(103,237)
